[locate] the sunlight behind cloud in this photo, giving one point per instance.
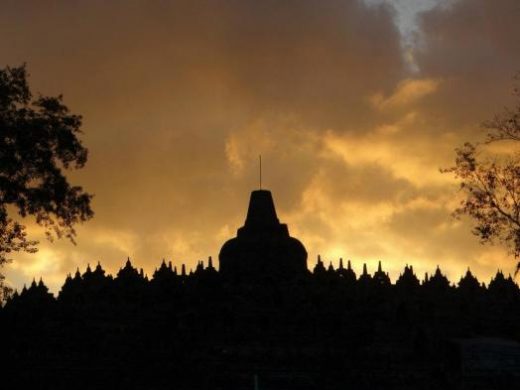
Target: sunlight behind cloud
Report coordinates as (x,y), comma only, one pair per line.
(407,92)
(179,100)
(390,154)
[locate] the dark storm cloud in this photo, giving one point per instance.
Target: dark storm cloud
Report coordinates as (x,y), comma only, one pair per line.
(474,46)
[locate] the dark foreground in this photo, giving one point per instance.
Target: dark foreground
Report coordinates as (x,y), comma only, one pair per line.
(325,330)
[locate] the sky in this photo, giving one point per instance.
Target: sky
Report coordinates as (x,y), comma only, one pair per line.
(354,106)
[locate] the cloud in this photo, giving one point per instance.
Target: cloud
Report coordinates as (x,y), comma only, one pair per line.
(179,99)
(407,92)
(473,47)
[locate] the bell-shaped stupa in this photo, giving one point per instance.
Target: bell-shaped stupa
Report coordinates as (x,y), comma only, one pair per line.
(262,248)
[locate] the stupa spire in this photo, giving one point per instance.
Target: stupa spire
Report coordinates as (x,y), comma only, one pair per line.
(260,167)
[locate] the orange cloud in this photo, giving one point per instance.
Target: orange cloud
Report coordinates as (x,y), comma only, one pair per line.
(179,99)
(407,92)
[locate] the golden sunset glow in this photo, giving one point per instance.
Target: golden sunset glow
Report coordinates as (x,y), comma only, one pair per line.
(354,107)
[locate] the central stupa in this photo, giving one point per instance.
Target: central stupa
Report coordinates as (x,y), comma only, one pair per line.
(262,248)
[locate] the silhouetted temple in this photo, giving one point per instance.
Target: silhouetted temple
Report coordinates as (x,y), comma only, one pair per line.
(263,321)
(263,249)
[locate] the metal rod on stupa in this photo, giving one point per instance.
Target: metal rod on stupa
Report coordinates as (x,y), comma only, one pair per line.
(260,159)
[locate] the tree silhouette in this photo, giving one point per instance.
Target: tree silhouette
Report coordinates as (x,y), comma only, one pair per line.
(489,176)
(38,142)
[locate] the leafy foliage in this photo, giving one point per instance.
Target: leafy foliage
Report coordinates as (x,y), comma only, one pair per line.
(38,141)
(491,184)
